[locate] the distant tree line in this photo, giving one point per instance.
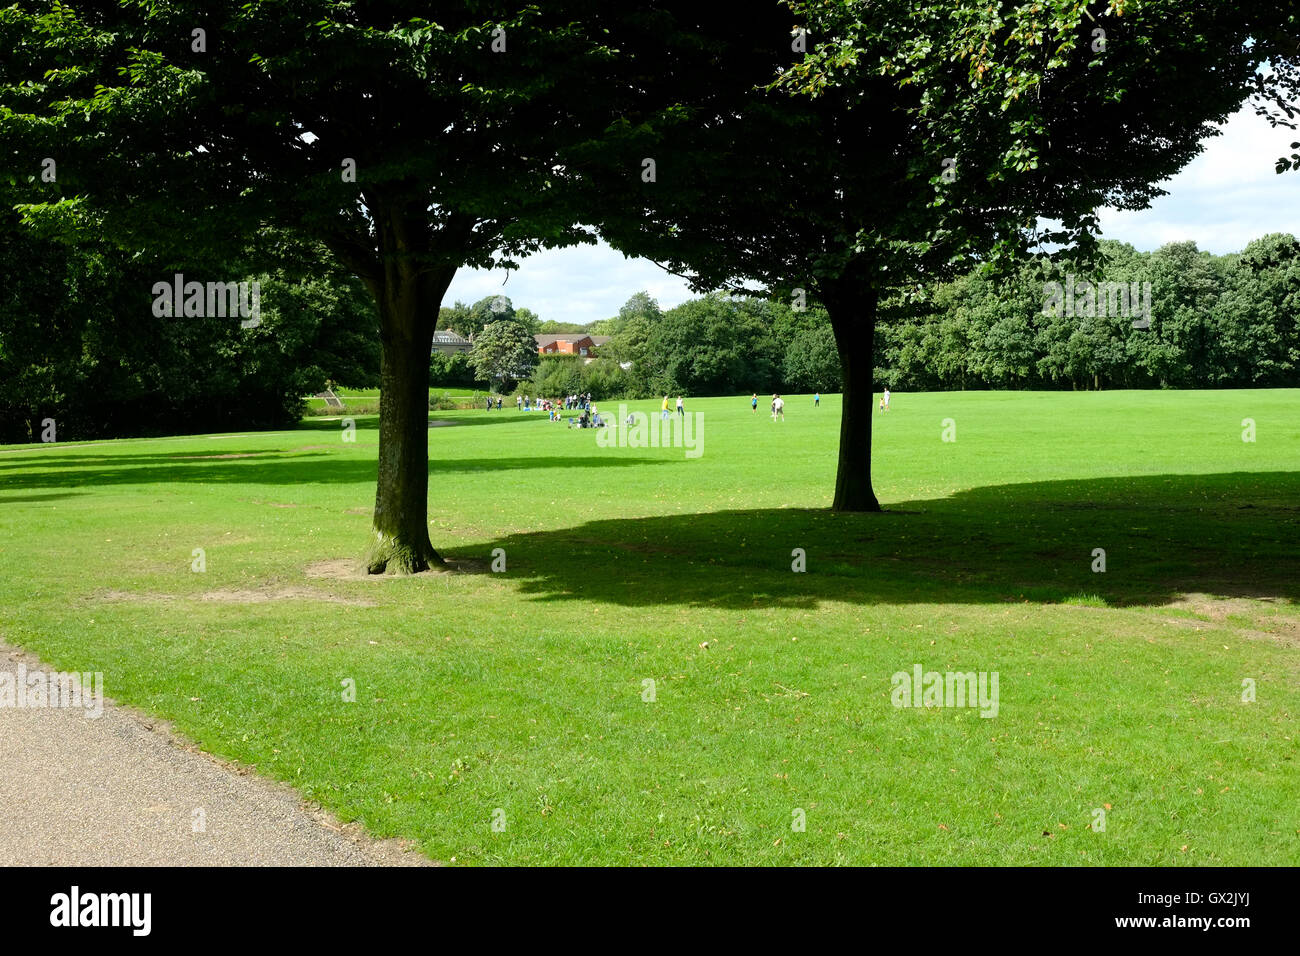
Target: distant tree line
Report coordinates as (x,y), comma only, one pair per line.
(1230,321)
(714,345)
(1178,317)
(99,363)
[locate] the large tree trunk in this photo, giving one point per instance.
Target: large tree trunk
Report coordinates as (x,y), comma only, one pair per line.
(852,310)
(409,294)
(401,521)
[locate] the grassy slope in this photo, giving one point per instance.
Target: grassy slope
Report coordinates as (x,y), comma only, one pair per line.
(523,691)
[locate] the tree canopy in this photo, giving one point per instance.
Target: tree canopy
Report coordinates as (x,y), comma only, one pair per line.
(885,146)
(408,146)
(871,151)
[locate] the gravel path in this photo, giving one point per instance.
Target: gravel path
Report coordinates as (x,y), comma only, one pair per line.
(118,790)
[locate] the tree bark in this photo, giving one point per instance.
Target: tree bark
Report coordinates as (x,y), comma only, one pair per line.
(409,293)
(852,311)
(400,524)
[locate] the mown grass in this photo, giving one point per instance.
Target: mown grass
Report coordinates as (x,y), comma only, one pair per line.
(366,401)
(524,691)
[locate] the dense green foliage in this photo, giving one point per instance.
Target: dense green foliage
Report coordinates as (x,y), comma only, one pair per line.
(878,147)
(1215,321)
(81,345)
(890,145)
(453,370)
(408,147)
(504,352)
(714,345)
(1230,321)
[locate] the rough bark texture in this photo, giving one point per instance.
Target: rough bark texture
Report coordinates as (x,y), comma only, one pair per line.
(852,311)
(409,293)
(401,522)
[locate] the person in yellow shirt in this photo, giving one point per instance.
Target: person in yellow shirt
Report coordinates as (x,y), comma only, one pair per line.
(663,409)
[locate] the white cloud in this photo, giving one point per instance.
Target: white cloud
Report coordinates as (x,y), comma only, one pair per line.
(578,284)
(1224,198)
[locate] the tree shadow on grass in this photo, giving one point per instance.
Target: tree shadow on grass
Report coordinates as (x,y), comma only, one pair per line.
(276,468)
(363,423)
(28,499)
(469,416)
(1235,535)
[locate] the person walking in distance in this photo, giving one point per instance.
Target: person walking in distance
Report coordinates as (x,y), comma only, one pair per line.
(885,399)
(817,399)
(753,403)
(681,410)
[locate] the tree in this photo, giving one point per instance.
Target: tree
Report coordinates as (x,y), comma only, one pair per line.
(630,335)
(911,140)
(456,318)
(503,353)
(551,326)
(1259,323)
(716,345)
(529,320)
(1185,285)
(453,371)
(369,127)
(812,363)
(76,346)
(642,305)
(490,309)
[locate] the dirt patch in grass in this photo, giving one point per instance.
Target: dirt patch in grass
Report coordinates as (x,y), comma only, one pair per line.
(1213,614)
(1218,609)
(338,569)
(292,593)
(351,569)
(239,596)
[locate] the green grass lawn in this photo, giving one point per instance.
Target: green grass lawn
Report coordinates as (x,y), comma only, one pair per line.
(367,399)
(521,695)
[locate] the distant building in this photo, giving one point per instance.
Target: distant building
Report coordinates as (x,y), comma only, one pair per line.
(570,343)
(449,343)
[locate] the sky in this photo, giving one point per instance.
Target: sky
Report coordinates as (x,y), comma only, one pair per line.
(1224,198)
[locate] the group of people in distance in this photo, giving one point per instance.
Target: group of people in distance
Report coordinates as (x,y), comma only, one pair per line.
(778,404)
(663,409)
(590,417)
